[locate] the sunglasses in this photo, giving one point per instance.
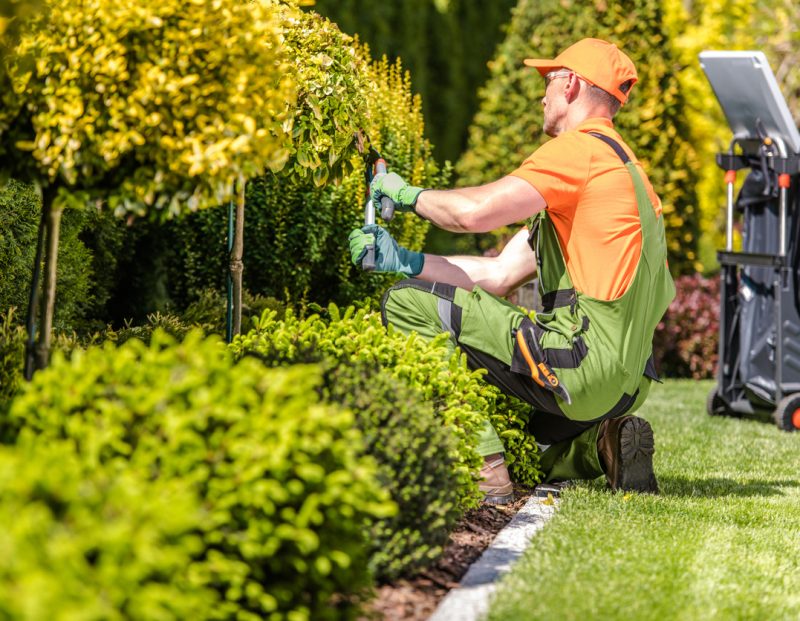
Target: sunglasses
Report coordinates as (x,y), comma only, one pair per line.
(561,73)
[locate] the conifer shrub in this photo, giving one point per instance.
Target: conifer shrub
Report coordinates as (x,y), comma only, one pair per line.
(286,489)
(461,400)
(508,125)
(98,543)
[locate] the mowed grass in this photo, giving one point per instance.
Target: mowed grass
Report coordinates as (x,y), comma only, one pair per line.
(721,541)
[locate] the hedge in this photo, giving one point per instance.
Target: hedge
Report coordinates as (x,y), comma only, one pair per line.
(286,491)
(461,400)
(508,125)
(20,213)
(416,456)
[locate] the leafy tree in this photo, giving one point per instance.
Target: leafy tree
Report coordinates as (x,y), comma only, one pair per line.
(508,126)
(298,218)
(152,107)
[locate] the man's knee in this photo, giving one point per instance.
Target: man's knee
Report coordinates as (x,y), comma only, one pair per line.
(414,305)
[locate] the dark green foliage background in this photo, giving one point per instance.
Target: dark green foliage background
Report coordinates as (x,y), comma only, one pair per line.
(445,51)
(508,126)
(20,212)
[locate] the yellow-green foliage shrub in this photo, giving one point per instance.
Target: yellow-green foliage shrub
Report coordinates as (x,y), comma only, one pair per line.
(154,106)
(415,453)
(286,490)
(766,25)
(95,543)
(508,125)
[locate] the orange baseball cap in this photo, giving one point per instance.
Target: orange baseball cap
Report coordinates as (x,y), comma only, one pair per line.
(598,62)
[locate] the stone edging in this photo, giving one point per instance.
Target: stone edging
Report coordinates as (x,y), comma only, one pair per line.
(470,601)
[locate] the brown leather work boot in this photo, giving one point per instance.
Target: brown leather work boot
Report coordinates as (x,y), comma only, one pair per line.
(496,483)
(626,448)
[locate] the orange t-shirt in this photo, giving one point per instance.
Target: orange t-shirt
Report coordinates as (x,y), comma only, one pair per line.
(591,201)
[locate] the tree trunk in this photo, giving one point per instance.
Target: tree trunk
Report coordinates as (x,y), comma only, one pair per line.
(33,301)
(237,267)
(53,212)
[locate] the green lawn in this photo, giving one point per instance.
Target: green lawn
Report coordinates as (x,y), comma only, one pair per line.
(722,541)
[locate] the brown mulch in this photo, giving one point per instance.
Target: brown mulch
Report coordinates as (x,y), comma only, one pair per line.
(415,599)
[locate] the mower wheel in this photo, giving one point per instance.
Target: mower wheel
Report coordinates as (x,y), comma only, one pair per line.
(715,406)
(787,414)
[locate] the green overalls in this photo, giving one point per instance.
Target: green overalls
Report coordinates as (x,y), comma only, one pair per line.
(577,362)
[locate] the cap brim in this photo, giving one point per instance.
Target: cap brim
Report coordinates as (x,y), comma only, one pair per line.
(542,65)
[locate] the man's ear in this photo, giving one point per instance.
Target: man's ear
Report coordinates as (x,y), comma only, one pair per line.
(572,87)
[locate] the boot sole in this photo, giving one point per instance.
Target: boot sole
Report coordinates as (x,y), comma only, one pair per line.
(498,499)
(636,448)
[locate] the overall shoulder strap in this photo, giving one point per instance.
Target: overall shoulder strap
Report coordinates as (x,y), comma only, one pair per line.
(614,145)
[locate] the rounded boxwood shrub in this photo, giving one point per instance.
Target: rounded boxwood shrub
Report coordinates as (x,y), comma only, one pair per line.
(415,453)
(97,543)
(460,399)
(282,476)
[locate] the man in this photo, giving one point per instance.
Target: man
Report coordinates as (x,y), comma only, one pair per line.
(594,236)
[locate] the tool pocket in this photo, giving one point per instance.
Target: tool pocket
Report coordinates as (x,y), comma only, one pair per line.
(529,359)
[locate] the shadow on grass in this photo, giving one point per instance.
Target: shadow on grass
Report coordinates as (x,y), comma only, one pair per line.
(716,487)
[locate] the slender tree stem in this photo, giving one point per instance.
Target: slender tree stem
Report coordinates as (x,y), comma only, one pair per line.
(33,301)
(237,266)
(53,212)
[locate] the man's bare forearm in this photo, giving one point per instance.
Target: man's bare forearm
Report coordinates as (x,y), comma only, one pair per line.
(461,271)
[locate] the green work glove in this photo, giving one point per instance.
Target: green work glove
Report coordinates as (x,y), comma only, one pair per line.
(389,256)
(393,186)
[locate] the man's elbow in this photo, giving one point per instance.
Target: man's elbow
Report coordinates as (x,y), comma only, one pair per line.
(477,219)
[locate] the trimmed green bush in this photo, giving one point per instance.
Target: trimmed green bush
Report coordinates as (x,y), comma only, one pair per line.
(415,453)
(287,491)
(460,399)
(417,466)
(81,543)
(508,125)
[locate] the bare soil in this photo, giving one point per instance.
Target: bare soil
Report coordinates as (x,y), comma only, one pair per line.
(415,599)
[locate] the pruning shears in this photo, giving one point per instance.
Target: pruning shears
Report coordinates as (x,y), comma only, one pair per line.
(374,164)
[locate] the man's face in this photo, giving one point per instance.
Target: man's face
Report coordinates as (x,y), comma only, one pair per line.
(554,103)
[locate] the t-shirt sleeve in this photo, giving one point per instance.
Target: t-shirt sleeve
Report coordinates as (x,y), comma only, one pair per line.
(558,170)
